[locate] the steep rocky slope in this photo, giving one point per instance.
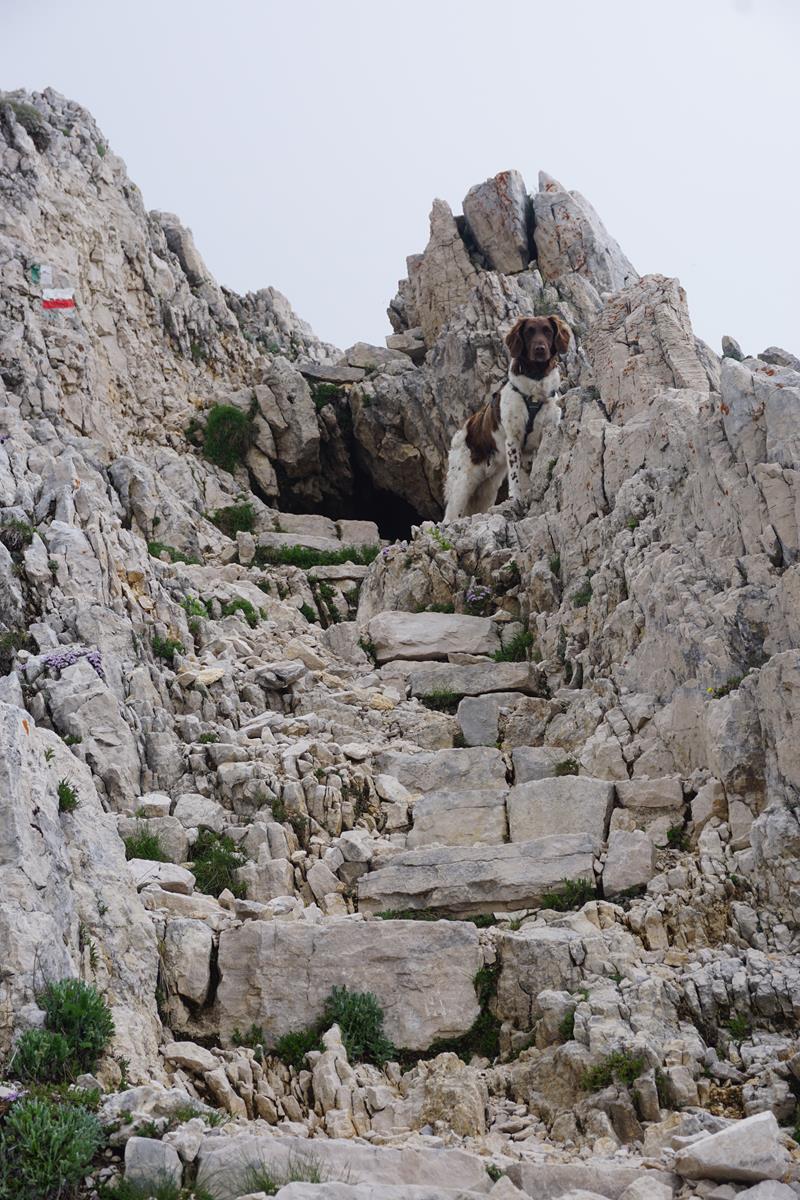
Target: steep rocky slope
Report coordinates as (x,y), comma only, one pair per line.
(529,779)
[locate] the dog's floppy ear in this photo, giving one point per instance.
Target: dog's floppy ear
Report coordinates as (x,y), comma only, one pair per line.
(561,335)
(514,338)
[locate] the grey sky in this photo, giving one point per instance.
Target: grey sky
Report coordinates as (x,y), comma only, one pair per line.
(303,141)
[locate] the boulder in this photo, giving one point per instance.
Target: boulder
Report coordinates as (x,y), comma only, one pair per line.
(498,213)
(472,879)
(151,1163)
(571,238)
(571,804)
(421,973)
(554,1181)
(747,1151)
(630,862)
(168,876)
(430,635)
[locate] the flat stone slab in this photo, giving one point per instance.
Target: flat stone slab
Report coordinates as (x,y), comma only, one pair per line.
(168,876)
(535,762)
(431,635)
(278,975)
(571,804)
(479,716)
(475,767)
(312,524)
(551,1181)
(651,793)
(471,879)
(358,533)
(630,862)
(476,679)
(310,541)
(224,1162)
(338,571)
(460,819)
(329,372)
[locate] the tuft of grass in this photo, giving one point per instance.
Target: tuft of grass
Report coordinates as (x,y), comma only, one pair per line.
(442,700)
(228,436)
(68,798)
(566,1026)
(369,648)
(551,466)
(167,648)
(260,1178)
(254,1036)
(310,614)
(144,843)
(567,766)
(739,1027)
(206,739)
(248,611)
(46,1149)
(325,393)
(730,685)
(10,643)
(194,607)
(574,894)
(621,1066)
(440,539)
(16,535)
(676,838)
(583,595)
(632,523)
(215,861)
(236,518)
(519,649)
(279,810)
(72,739)
(31,121)
(305,557)
(555,565)
(359,1016)
(156,549)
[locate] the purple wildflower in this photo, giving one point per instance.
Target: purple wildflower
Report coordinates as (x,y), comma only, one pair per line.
(67,658)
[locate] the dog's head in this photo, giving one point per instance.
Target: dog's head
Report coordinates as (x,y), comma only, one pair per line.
(534,344)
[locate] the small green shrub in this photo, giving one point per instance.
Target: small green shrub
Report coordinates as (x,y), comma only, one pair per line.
(31,121)
(555,565)
(67,797)
(567,766)
(44,1056)
(360,1019)
(566,1026)
(324,393)
(254,1036)
(145,843)
(292,1048)
(730,685)
(442,700)
(236,518)
(228,436)
(279,810)
(215,860)
(583,595)
(439,538)
(305,557)
(574,894)
(46,1149)
(101,149)
(494,1172)
(10,643)
(676,838)
(207,739)
(443,607)
(156,549)
(71,739)
(518,649)
(194,607)
(16,536)
(622,1066)
(166,648)
(369,648)
(739,1027)
(632,523)
(551,466)
(77,1028)
(248,611)
(269,1180)
(310,614)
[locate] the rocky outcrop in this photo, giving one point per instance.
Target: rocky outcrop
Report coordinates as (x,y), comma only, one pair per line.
(530,780)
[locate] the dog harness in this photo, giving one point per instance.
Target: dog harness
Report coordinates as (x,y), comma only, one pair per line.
(534,407)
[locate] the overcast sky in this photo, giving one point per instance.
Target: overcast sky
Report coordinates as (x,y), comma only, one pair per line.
(303,141)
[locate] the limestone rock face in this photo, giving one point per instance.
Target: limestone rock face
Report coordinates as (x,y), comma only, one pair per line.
(498,215)
(748,1151)
(260,962)
(431,635)
(444,276)
(570,237)
(63,871)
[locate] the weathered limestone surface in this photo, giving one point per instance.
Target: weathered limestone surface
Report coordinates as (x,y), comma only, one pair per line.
(477,879)
(431,635)
(260,964)
(573,804)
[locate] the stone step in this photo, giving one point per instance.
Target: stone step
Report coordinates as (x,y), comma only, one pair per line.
(444,770)
(429,635)
(226,1165)
(464,818)
(476,679)
(461,881)
(551,1181)
(279,974)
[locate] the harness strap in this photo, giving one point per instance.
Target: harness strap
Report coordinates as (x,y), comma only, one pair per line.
(534,407)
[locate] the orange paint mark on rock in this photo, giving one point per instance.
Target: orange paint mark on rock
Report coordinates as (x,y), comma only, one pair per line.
(26,726)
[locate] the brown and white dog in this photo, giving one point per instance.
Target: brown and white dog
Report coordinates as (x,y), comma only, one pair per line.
(504,435)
